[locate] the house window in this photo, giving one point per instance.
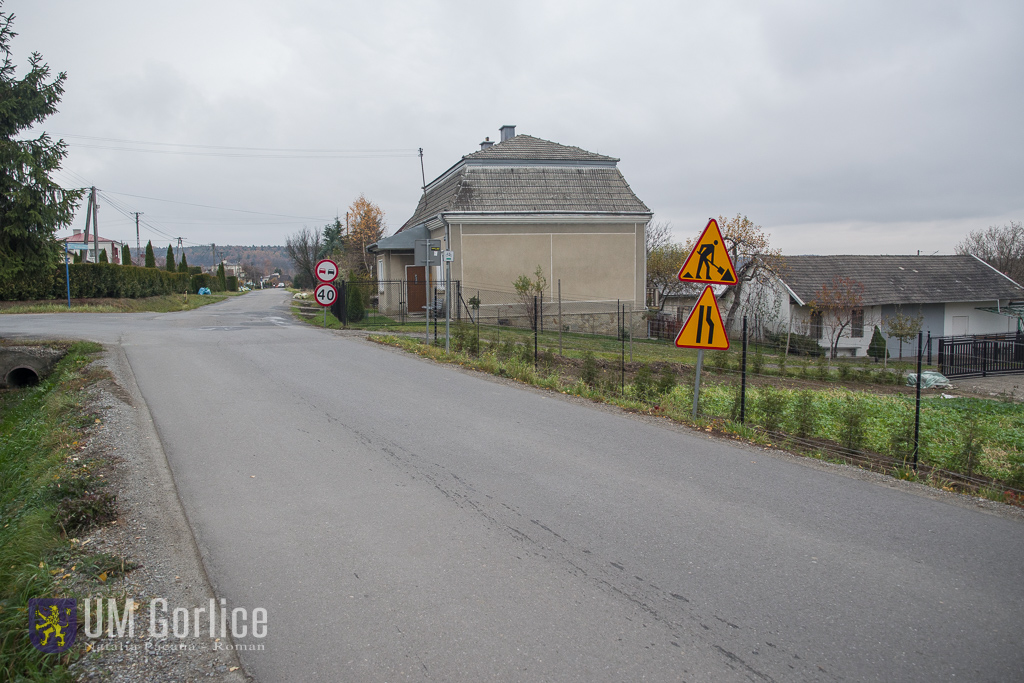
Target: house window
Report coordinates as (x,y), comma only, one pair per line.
(816,327)
(857,323)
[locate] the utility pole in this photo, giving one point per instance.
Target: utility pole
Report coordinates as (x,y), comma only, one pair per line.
(423,173)
(180,248)
(85,236)
(138,242)
(95,228)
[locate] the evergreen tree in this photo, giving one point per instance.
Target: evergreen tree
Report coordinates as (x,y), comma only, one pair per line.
(183,266)
(126,256)
(32,206)
(150,256)
(356,307)
(103,256)
(876,349)
(170,260)
(221,277)
(77,258)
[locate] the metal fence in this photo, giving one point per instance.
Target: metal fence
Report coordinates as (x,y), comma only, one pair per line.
(981,355)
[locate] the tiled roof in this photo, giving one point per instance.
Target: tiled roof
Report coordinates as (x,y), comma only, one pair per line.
(81,236)
(525,187)
(902,279)
(535,149)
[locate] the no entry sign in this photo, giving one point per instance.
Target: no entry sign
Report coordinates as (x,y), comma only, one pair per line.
(325,294)
(326,271)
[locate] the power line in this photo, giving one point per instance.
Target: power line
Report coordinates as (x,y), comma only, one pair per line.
(403,151)
(220,208)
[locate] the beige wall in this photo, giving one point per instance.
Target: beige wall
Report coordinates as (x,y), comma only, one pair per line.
(594,261)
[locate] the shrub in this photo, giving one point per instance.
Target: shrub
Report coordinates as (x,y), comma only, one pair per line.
(126,256)
(901,439)
(876,349)
(666,379)
(170,266)
(589,372)
(972,437)
(805,414)
(231,283)
(183,266)
(772,403)
(852,415)
(91,280)
(103,257)
(356,306)
(643,383)
(85,511)
(757,361)
(150,256)
(720,361)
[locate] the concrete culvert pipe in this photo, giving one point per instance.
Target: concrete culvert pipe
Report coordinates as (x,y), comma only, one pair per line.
(22,377)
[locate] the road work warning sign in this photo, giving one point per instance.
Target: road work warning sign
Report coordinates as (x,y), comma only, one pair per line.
(704,328)
(709,260)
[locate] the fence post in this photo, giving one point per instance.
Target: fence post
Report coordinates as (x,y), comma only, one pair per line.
(696,382)
(929,361)
(743,376)
(432,312)
(984,358)
(535,333)
(621,311)
(917,406)
(560,316)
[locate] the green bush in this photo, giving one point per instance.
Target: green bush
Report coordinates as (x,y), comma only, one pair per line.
(150,256)
(356,303)
(666,379)
(772,404)
(799,344)
(126,256)
(94,280)
(853,432)
(876,349)
(589,373)
(643,384)
(805,414)
(232,283)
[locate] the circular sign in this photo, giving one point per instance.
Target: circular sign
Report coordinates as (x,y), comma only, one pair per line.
(325,294)
(326,270)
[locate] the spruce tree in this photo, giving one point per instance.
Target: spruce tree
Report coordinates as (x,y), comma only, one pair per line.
(876,349)
(150,256)
(32,206)
(126,256)
(183,266)
(170,260)
(103,256)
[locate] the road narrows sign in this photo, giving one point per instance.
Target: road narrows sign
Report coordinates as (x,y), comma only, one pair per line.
(326,270)
(325,294)
(709,261)
(704,328)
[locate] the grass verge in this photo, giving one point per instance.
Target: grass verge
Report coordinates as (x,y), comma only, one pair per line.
(167,303)
(49,492)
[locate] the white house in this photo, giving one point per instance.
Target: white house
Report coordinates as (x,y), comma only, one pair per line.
(111,247)
(953,295)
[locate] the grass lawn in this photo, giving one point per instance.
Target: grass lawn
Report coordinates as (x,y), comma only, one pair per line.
(167,303)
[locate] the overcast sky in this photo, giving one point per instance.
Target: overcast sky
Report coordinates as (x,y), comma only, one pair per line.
(841,127)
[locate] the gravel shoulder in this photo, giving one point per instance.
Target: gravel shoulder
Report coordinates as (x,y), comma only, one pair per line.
(152,532)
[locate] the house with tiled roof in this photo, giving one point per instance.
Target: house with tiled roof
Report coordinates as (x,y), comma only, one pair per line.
(953,296)
(112,247)
(521,203)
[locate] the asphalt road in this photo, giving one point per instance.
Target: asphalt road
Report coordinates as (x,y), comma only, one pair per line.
(402,520)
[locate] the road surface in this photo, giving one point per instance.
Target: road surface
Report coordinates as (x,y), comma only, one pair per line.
(402,520)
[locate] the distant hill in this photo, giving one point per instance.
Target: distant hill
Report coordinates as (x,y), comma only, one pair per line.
(271,257)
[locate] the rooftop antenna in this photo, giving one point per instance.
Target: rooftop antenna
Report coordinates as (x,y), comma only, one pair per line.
(423,173)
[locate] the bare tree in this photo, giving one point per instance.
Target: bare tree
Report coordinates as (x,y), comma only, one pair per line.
(839,303)
(657,235)
(1000,247)
(304,248)
(753,257)
(254,271)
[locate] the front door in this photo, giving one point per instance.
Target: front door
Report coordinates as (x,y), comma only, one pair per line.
(415,284)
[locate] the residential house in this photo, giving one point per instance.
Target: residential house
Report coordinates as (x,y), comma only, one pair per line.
(518,204)
(953,295)
(111,247)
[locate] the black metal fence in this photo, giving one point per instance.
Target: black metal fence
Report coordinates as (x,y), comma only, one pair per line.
(981,355)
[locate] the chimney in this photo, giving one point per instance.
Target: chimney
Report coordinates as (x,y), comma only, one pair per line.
(486,143)
(77,231)
(507,132)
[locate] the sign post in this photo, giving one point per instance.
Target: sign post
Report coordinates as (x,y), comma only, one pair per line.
(708,263)
(67,268)
(427,253)
(326,294)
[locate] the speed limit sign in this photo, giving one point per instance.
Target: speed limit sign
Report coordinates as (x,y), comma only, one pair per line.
(325,294)
(326,270)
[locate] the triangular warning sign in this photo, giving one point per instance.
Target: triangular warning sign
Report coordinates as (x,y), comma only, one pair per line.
(709,260)
(704,328)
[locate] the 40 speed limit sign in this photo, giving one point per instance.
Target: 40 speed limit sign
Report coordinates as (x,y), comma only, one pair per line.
(325,294)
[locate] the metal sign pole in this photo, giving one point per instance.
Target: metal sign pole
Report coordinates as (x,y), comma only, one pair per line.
(67,273)
(426,293)
(696,382)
